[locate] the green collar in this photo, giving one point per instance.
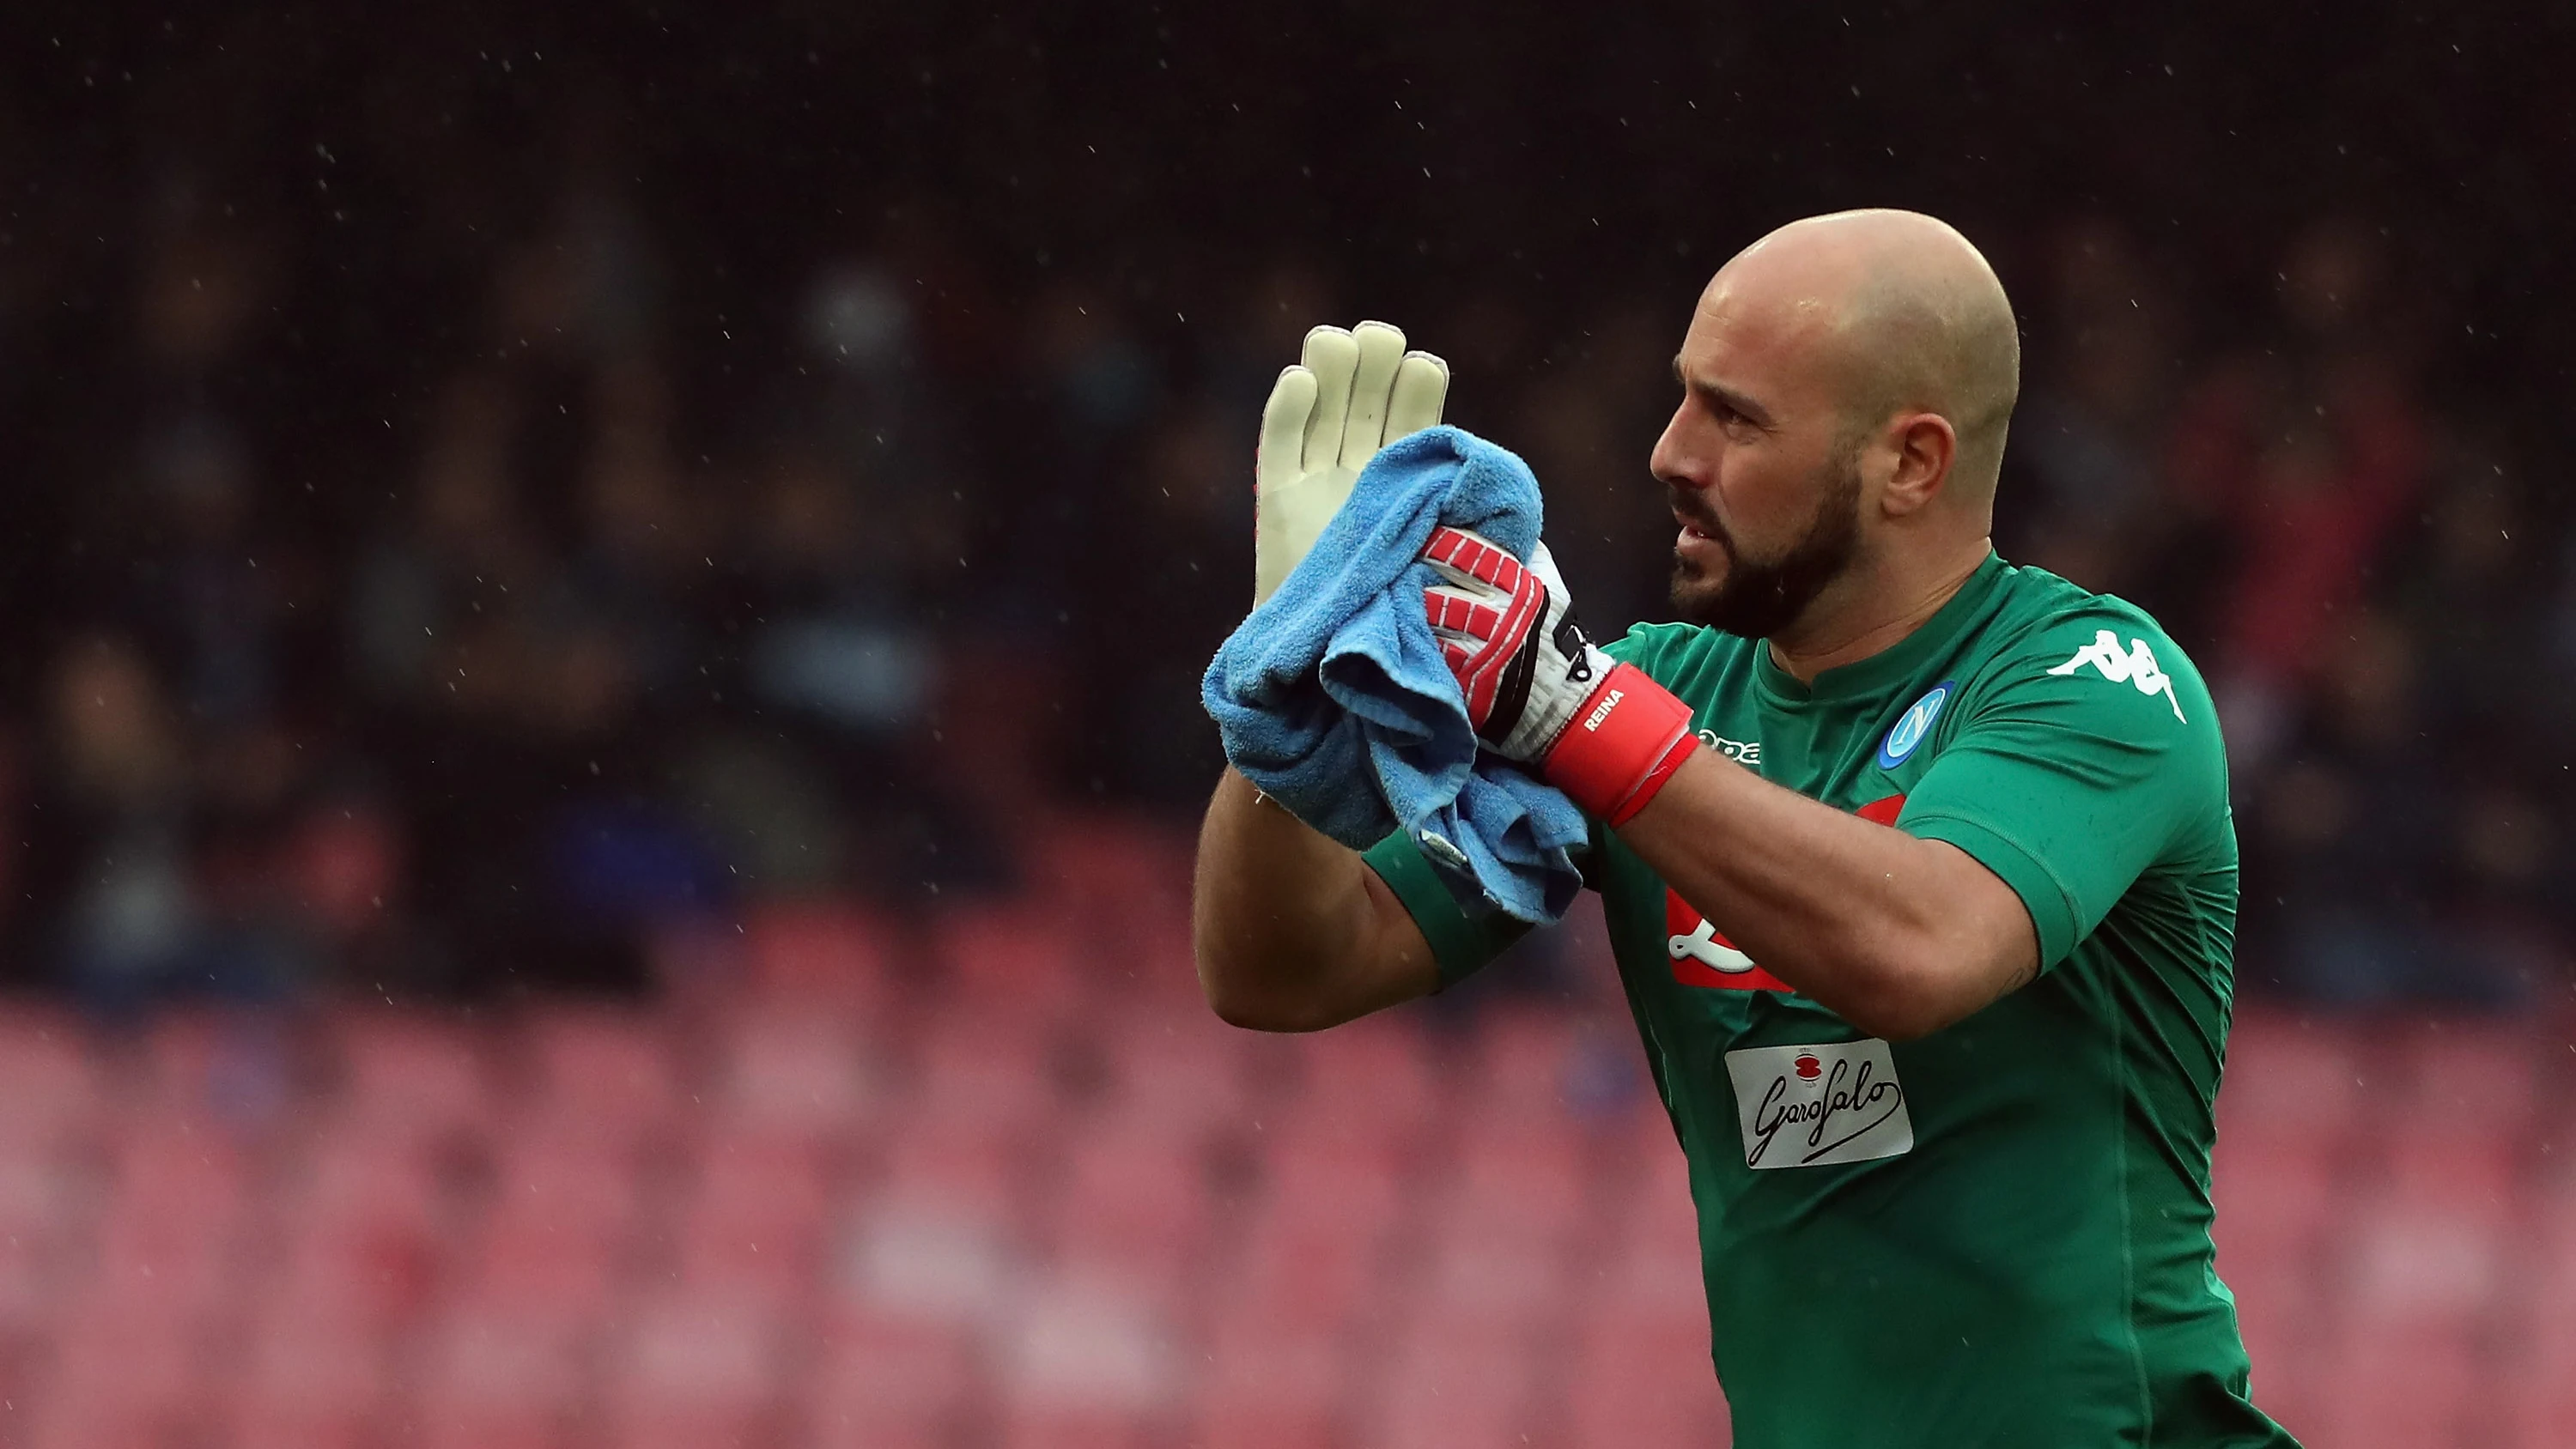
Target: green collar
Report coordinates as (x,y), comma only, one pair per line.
(1898,662)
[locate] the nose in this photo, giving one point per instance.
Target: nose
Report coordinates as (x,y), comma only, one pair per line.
(1674,461)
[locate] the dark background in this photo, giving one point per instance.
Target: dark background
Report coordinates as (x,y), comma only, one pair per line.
(266,271)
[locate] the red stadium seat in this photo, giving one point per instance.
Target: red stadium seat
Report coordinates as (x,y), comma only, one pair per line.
(1372,1079)
(1270,1388)
(2291,1083)
(1657,1203)
(444,1426)
(2274,1201)
(193,1055)
(347,1175)
(1113,863)
(1643,1381)
(605,1068)
(2476,1174)
(1133,1205)
(787,1176)
(789,1070)
(2422,1267)
(693,1371)
(1649,1279)
(1120,888)
(1176,1069)
(2469,1078)
(127,1367)
(99,1418)
(306,1382)
(411,1069)
(1226,1425)
(754,1222)
(352,1278)
(888,1383)
(492,1376)
(2536,1400)
(554,1244)
(1521,1064)
(1451,1383)
(1534,1174)
(1296,1274)
(1069,1427)
(558,1172)
(1085,1363)
(1018,961)
(2395,1391)
(931,1255)
(2276,1212)
(46,1076)
(973,1069)
(820,951)
(963,1160)
(153,1249)
(1498,1268)
(1316,1172)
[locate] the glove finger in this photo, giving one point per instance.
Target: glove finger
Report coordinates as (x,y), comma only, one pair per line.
(1364,432)
(1280,457)
(1421,390)
(1332,356)
(1463,581)
(1472,553)
(1543,564)
(1457,614)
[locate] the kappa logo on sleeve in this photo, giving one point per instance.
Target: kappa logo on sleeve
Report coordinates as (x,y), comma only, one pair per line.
(2136,668)
(1814,1106)
(1702,957)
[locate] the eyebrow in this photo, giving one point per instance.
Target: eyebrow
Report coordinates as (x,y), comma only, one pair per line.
(1755,412)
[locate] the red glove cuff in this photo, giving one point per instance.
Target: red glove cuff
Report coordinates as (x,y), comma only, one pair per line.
(1629,737)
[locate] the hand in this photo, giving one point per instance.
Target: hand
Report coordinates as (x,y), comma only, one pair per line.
(1352,394)
(1538,691)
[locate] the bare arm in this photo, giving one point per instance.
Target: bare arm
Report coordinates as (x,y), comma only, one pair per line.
(1292,930)
(1899,936)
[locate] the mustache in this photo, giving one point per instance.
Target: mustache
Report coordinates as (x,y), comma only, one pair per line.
(1686,507)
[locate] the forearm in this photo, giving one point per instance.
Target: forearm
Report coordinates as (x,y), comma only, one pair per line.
(1292,930)
(1898,935)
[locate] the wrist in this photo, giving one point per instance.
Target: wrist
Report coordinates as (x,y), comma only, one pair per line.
(1621,746)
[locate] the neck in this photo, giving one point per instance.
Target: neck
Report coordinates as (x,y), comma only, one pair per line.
(1886,608)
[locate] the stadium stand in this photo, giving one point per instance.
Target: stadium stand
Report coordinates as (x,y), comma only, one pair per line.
(831,1196)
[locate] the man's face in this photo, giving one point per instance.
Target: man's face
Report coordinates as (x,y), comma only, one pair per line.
(1764,475)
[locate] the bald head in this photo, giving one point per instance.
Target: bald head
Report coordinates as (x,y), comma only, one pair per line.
(1901,314)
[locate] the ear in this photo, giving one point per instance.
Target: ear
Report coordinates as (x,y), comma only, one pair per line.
(1926,445)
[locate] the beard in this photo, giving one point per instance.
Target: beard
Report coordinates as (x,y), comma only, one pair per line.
(1759,598)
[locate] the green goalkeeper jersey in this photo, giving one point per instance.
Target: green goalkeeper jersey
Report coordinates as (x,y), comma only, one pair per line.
(1996,1236)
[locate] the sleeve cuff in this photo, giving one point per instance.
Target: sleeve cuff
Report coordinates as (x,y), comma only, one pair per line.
(1459,947)
(2051,903)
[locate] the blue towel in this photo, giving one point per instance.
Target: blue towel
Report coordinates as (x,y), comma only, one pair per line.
(1334,699)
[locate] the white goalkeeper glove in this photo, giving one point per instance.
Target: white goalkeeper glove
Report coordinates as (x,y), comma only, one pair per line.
(1538,691)
(1353,393)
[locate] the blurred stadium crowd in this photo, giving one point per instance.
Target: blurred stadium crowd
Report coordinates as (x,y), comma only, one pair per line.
(437,565)
(574,658)
(693,714)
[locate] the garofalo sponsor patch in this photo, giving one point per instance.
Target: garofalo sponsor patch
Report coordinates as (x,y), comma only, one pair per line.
(1812,1106)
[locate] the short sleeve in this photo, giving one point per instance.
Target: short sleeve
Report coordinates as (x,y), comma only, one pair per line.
(1461,943)
(2076,764)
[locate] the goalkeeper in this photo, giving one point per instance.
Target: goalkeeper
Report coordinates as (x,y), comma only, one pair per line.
(1918,867)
